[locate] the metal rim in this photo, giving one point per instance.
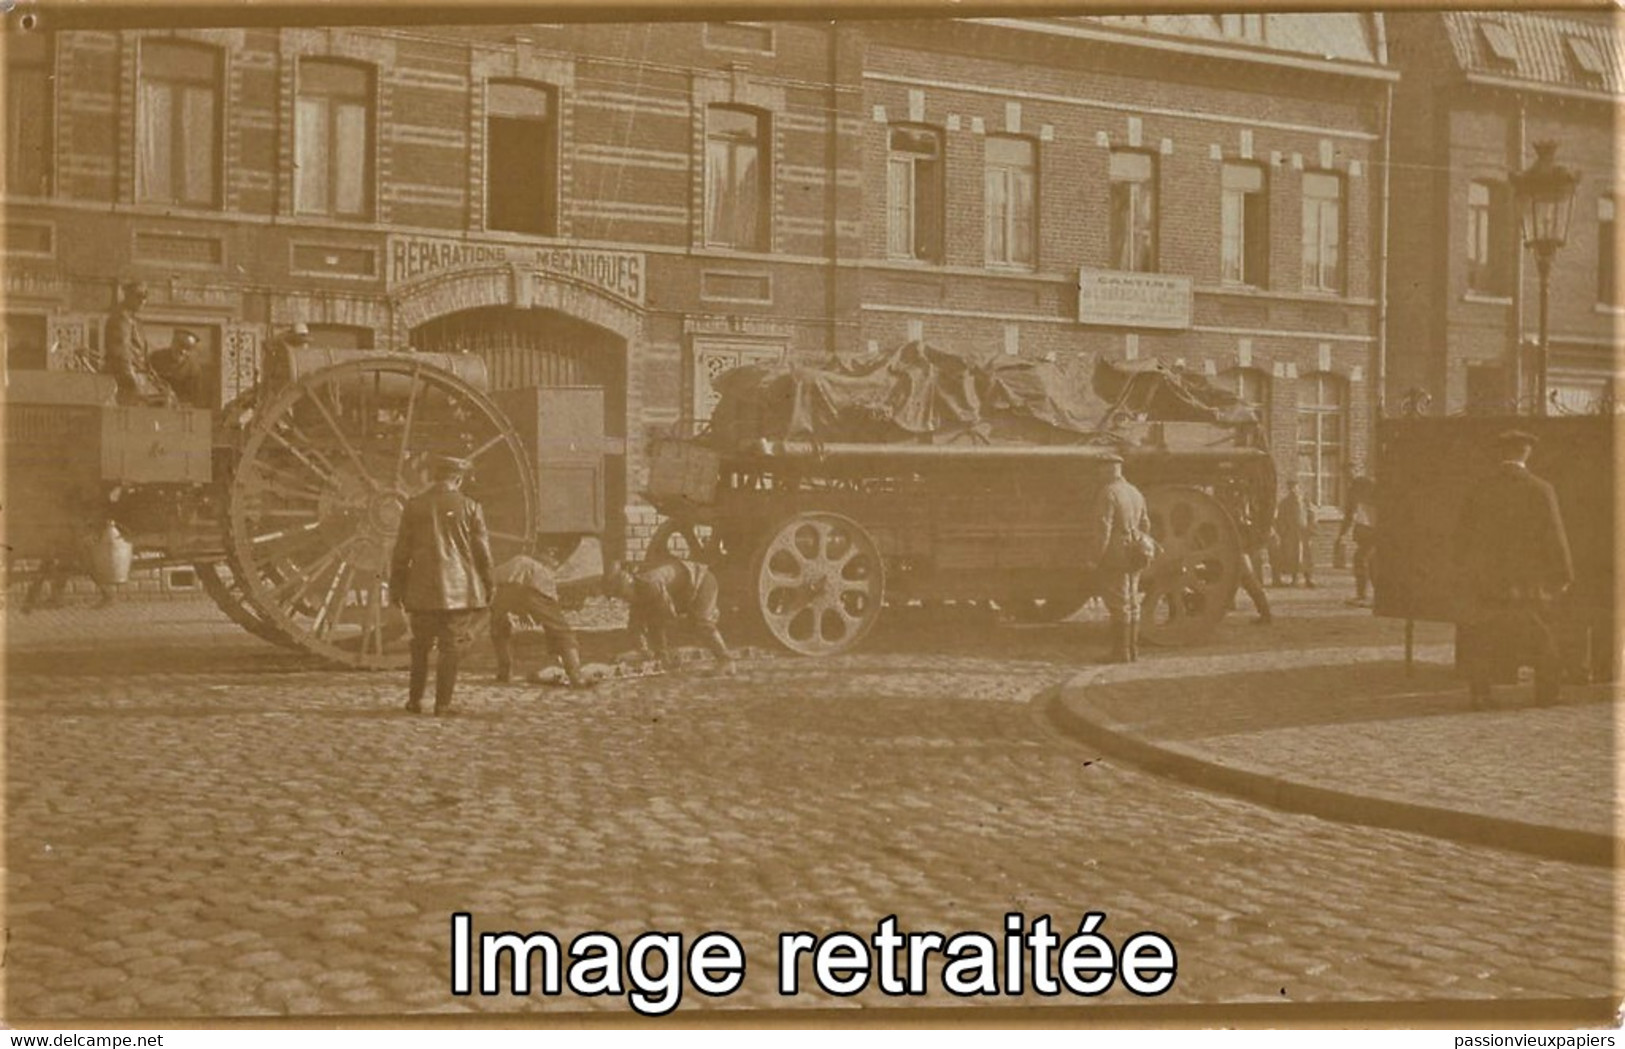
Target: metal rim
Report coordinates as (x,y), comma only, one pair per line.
(325,471)
(226,590)
(820,583)
(1186,591)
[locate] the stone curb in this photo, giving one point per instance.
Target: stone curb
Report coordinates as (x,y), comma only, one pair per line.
(1069,711)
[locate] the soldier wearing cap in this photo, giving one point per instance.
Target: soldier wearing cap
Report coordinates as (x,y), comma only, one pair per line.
(124,350)
(179,367)
(1513,552)
(1117,516)
(440,573)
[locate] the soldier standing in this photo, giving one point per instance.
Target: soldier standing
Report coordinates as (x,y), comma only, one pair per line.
(1360,518)
(1118,516)
(1295,520)
(1514,551)
(440,573)
(124,350)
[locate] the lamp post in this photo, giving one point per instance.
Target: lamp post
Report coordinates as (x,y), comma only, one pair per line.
(1545,192)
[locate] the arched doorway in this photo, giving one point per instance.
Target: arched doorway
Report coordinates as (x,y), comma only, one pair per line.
(525,348)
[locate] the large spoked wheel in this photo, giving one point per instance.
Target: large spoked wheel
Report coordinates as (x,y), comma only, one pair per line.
(327,466)
(1186,591)
(229,594)
(820,583)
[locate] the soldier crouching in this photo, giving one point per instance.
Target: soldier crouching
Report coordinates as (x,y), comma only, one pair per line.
(663,593)
(527,588)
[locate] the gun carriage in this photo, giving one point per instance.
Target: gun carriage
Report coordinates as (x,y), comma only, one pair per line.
(814,526)
(287,501)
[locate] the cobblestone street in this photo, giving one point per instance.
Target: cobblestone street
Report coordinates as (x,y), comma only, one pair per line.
(201,825)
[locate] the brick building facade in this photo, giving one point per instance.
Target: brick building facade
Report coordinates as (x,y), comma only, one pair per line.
(1477,91)
(636,207)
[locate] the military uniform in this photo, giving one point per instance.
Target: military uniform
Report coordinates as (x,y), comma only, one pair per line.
(527,589)
(1295,521)
(1514,554)
(1117,512)
(124,353)
(440,573)
(668,591)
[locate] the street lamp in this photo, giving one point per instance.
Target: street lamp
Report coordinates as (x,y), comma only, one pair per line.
(1545,192)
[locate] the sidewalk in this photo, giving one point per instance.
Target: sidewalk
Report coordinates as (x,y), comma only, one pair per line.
(1345,733)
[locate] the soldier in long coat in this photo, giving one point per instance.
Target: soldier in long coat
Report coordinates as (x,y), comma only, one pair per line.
(440,572)
(1513,552)
(1118,512)
(1295,521)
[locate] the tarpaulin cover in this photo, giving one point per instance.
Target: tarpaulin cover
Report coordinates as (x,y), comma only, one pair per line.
(924,393)
(1154,390)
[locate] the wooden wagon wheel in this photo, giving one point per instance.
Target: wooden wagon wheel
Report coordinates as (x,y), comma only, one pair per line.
(327,466)
(1186,591)
(226,590)
(820,583)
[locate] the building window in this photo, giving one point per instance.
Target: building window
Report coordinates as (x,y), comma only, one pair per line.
(1244,219)
(28,114)
(1012,201)
(736,179)
(1322,232)
(1134,212)
(1500,43)
(521,169)
(1586,58)
(25,348)
(178,126)
(1322,424)
(1607,253)
(1252,385)
(333,139)
(1487,216)
(914,194)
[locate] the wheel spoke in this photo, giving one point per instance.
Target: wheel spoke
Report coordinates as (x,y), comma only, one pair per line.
(323,470)
(314,504)
(406,426)
(344,440)
(291,592)
(486,447)
(332,605)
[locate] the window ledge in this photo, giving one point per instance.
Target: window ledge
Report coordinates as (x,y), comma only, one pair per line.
(1486,299)
(1608,310)
(1011,267)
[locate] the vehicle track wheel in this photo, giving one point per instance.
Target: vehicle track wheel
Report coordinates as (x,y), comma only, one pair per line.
(1187,590)
(820,583)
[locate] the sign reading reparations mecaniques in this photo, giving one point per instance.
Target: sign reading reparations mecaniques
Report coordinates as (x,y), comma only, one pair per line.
(617,273)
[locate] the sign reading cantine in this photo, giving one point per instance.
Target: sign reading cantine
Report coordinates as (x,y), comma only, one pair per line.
(617,273)
(1133,300)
